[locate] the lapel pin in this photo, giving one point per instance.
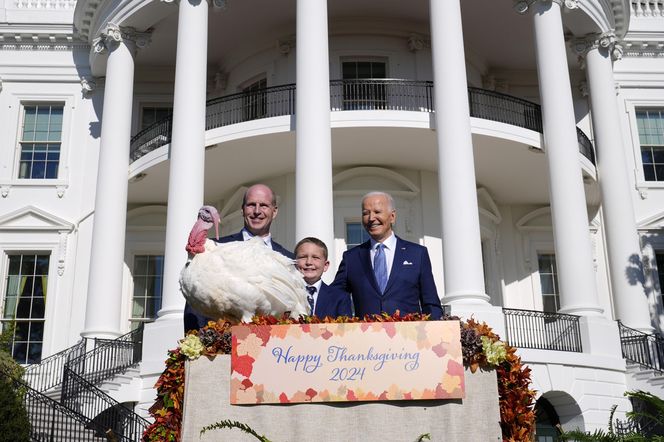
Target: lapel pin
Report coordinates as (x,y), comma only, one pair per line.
(407,263)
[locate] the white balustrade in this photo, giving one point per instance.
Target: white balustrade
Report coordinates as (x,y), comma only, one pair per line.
(647,8)
(45,4)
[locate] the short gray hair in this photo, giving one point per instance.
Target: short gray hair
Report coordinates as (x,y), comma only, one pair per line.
(390,200)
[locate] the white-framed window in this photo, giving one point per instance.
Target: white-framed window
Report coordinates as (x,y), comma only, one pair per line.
(650,125)
(548,275)
(40,141)
(150,114)
(254,100)
(355,234)
(148,277)
(26,286)
(364,95)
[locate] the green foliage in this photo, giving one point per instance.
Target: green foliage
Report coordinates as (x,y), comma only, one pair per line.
(13,416)
(633,416)
(234,424)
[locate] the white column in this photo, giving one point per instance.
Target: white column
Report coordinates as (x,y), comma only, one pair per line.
(576,273)
(187,154)
(102,312)
(622,239)
(462,248)
(313,154)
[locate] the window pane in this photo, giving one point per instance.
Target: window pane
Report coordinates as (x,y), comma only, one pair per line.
(42,123)
(548,282)
(28,307)
(148,285)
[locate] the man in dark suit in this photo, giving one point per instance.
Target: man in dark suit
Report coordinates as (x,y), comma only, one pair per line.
(311,261)
(259,209)
(386,273)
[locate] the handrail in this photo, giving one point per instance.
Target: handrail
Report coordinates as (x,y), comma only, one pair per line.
(542,330)
(48,373)
(349,95)
(109,357)
(85,398)
(642,348)
(50,420)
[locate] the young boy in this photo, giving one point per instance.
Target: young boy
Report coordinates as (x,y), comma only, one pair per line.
(311,261)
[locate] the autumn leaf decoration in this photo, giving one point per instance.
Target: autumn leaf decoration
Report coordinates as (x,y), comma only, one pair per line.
(516,399)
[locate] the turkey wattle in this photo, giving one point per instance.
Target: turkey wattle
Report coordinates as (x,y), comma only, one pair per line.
(237,280)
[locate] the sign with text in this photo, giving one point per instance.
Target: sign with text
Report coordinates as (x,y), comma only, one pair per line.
(375,361)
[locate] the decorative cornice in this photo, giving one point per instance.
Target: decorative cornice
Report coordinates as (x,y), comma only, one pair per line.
(642,48)
(113,34)
(39,38)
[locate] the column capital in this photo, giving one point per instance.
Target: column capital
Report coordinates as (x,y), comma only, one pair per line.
(113,34)
(522,6)
(605,40)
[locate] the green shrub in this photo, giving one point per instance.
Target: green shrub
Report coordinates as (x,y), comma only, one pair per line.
(14,422)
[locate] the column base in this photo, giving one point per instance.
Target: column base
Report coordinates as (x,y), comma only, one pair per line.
(582,310)
(467,297)
(101,334)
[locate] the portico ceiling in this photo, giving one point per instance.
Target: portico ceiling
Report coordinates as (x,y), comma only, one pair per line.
(495,35)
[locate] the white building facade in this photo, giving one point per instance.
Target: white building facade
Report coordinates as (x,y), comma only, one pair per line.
(523,143)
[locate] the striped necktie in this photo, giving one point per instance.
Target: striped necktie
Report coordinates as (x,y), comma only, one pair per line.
(310,297)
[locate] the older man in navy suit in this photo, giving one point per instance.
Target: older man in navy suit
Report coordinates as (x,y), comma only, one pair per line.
(311,261)
(386,273)
(259,209)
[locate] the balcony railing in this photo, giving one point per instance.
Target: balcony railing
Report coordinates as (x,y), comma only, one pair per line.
(345,95)
(641,348)
(542,330)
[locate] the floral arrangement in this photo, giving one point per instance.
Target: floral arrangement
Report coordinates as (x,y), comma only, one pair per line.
(481,347)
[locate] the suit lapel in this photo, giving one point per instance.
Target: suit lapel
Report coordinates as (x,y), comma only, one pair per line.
(365,260)
(399,254)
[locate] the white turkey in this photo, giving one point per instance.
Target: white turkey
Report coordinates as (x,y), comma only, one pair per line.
(240,279)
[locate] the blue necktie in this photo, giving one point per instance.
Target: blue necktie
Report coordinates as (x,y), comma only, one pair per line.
(310,297)
(380,267)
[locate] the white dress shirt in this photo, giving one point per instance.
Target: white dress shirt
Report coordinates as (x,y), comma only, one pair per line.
(390,246)
(247,235)
(317,284)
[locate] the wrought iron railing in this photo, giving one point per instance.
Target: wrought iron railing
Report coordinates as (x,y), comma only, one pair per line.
(109,357)
(542,330)
(641,348)
(81,376)
(51,421)
(86,399)
(48,373)
(369,94)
